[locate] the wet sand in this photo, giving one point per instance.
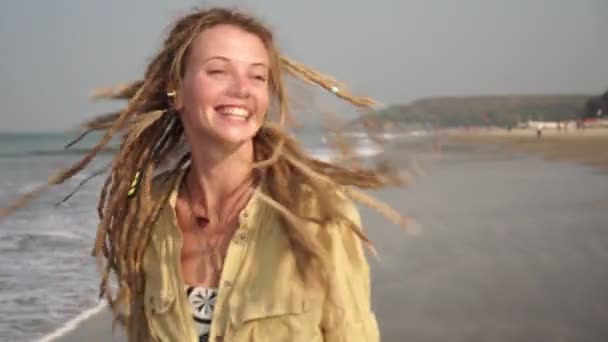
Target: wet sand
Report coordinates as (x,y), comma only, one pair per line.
(513,248)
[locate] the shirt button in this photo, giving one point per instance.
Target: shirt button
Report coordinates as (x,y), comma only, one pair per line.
(227,283)
(243,216)
(242,238)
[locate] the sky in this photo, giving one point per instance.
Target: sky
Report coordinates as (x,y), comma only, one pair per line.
(54,53)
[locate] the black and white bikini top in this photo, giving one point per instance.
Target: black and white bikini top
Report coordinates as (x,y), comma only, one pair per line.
(202,300)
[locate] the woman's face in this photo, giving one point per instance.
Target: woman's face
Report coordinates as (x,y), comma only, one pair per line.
(225,93)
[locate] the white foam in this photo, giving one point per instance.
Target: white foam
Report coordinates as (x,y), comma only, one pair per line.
(368,151)
(326,157)
(72,324)
(384,135)
(61,234)
(323,153)
(363,150)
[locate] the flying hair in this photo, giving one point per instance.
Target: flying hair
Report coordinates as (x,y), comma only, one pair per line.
(152,136)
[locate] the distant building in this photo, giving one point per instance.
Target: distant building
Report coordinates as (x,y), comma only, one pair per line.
(540,125)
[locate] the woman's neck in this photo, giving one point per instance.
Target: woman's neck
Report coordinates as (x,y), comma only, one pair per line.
(217,176)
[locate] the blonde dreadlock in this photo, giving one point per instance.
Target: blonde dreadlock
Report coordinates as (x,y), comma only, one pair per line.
(152,133)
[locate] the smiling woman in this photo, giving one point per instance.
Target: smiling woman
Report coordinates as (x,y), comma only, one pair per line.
(224,92)
(245,237)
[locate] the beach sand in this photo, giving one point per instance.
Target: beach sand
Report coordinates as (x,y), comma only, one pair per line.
(512,248)
(589,146)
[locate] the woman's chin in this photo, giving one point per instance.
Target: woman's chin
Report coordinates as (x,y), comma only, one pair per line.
(234,131)
(235,136)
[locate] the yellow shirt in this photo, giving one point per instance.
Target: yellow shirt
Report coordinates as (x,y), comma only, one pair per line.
(261,295)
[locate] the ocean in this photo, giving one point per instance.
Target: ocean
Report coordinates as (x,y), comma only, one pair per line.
(47,274)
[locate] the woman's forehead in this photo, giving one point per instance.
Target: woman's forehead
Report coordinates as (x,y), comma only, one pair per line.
(229,43)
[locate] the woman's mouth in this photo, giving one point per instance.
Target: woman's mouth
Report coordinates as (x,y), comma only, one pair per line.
(234,112)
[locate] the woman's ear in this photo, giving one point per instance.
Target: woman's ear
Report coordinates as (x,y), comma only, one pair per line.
(175,100)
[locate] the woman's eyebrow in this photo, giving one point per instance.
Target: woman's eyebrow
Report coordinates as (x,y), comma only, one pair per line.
(226,59)
(262,64)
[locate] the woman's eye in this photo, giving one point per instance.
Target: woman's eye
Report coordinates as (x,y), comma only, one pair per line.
(260,78)
(215,72)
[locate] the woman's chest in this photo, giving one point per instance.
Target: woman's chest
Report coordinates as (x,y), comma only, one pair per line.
(203,251)
(260,296)
(197,241)
(264,297)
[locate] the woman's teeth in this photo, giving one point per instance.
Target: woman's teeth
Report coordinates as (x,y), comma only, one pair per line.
(234,112)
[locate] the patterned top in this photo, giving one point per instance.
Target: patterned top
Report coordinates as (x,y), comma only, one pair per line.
(203,303)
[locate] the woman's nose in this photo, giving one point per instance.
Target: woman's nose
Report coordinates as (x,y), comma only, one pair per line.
(240,86)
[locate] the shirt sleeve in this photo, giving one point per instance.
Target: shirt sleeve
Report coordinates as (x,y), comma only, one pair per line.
(349,317)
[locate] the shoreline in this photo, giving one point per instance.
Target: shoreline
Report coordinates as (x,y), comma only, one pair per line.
(94,323)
